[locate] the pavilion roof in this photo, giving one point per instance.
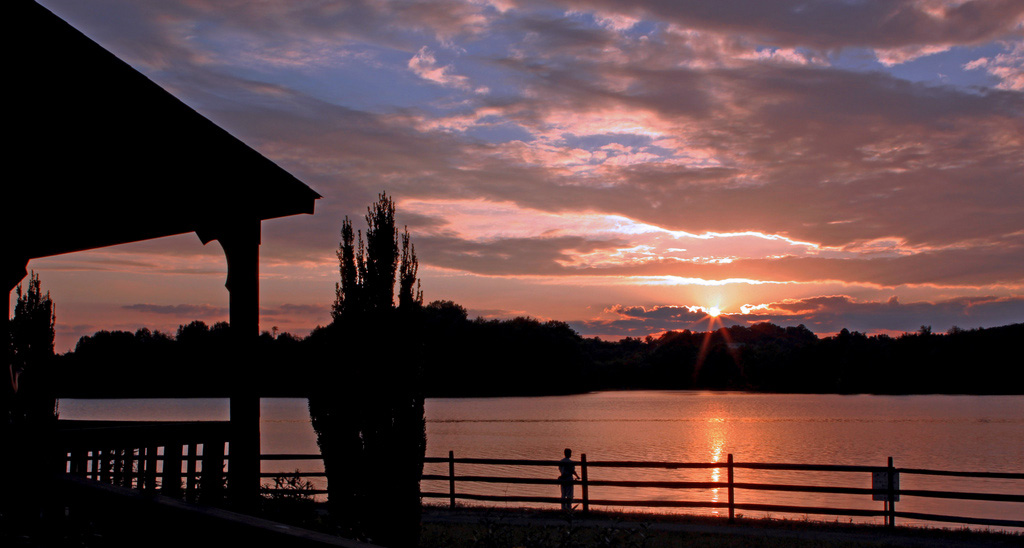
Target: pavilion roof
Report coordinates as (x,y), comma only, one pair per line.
(101,155)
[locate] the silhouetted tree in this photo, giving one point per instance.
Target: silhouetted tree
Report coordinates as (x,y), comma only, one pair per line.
(32,334)
(348,290)
(28,450)
(381,258)
(368,273)
(367,405)
(409,293)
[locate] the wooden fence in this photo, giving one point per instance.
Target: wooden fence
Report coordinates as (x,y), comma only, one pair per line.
(164,456)
(109,465)
(181,459)
(885,487)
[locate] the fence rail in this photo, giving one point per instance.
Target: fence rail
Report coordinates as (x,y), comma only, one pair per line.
(173,457)
(887,491)
(184,459)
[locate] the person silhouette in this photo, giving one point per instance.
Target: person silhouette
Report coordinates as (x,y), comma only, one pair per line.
(566,473)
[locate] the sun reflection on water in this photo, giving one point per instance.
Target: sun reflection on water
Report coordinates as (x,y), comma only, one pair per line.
(716,447)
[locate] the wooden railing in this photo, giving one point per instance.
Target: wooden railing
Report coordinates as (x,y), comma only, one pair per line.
(165,456)
(180,459)
(885,488)
(108,465)
(883,480)
(881,484)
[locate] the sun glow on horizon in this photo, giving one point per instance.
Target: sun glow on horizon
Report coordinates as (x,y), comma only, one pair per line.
(714,311)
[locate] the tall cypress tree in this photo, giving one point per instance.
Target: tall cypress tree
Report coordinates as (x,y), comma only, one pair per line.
(381,254)
(367,407)
(347,293)
(409,294)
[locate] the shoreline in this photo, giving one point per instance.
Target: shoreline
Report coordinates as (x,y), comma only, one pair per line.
(713,531)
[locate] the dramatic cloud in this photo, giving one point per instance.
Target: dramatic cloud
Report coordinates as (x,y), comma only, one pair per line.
(825,315)
(862,147)
(826,25)
(832,313)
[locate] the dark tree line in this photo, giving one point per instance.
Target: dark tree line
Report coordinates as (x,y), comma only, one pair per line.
(523,356)
(769,358)
(195,361)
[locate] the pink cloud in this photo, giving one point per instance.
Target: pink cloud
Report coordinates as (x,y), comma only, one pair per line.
(831,25)
(823,315)
(1007,67)
(424,65)
(609,146)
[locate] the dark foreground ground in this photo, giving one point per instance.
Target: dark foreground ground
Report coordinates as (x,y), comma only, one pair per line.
(521,528)
(497,528)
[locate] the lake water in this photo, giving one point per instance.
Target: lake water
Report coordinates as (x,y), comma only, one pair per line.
(963,433)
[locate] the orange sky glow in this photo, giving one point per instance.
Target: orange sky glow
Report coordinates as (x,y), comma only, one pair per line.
(629,168)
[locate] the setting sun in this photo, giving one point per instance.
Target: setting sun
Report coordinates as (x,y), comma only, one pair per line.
(566,202)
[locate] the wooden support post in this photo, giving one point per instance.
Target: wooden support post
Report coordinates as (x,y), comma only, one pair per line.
(241,243)
(732,492)
(584,486)
(451,479)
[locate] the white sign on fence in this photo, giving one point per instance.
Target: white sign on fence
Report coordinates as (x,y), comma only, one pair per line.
(880,485)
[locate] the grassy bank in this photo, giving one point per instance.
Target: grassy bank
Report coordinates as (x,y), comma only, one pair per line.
(491,528)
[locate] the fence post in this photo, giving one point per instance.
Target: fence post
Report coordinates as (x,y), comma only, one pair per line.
(151,467)
(170,483)
(118,467)
(451,479)
(104,471)
(732,493)
(583,482)
(190,472)
(211,483)
(141,475)
(891,495)
(78,461)
(127,467)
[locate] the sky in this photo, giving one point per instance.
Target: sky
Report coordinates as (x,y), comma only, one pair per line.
(626,167)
